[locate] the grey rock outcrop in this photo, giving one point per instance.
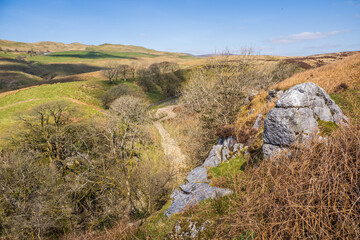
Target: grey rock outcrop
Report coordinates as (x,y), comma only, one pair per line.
(197,186)
(295,117)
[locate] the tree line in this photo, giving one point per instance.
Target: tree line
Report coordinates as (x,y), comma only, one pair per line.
(163,77)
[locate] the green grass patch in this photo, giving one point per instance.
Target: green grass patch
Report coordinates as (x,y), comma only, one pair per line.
(188,57)
(157,226)
(349,102)
(6,55)
(326,127)
(229,168)
(154,96)
(87,92)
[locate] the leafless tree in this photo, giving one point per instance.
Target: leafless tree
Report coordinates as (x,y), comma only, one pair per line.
(133,68)
(123,70)
(110,71)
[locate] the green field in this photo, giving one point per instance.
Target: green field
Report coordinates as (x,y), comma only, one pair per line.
(63,65)
(85,94)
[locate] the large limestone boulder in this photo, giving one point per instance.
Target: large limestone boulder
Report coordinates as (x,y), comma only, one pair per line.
(295,117)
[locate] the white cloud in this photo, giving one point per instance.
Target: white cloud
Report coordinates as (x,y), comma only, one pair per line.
(304,36)
(143,35)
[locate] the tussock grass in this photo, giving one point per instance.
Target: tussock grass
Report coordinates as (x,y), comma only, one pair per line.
(329,76)
(312,195)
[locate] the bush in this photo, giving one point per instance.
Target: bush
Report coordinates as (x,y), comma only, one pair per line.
(61,174)
(116,92)
(312,195)
(164,77)
(225,131)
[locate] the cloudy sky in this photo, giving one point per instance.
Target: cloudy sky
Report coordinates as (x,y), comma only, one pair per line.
(291,27)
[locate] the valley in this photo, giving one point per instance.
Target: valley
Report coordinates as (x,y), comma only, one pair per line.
(90,150)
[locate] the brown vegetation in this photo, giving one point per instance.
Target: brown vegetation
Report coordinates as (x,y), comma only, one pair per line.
(314,194)
(330,76)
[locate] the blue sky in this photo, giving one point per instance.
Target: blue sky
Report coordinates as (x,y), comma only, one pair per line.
(290,27)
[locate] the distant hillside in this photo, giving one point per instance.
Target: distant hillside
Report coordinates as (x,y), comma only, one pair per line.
(107,47)
(330,76)
(41,46)
(61,47)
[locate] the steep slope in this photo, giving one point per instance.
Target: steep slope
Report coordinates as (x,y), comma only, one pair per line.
(329,77)
(226,218)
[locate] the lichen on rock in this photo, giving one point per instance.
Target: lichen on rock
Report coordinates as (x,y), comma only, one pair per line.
(296,115)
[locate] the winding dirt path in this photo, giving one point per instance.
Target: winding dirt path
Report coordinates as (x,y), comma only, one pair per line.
(13,104)
(171,148)
(86,104)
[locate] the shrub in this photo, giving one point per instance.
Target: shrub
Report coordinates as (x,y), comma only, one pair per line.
(218,90)
(225,131)
(164,77)
(115,92)
(341,88)
(62,174)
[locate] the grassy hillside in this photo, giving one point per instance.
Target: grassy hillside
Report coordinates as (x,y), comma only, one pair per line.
(253,211)
(107,47)
(340,78)
(329,77)
(61,47)
(80,83)
(83,94)
(41,46)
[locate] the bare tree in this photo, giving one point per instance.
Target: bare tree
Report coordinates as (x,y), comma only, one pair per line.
(122,135)
(110,71)
(123,71)
(133,68)
(218,89)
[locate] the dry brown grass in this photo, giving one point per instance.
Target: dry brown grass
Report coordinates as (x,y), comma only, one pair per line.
(43,46)
(313,195)
(334,78)
(329,76)
(245,133)
(121,231)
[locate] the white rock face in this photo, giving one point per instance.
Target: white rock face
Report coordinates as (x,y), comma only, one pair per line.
(295,117)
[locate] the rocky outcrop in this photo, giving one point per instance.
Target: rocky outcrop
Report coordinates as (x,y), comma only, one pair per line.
(197,186)
(295,117)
